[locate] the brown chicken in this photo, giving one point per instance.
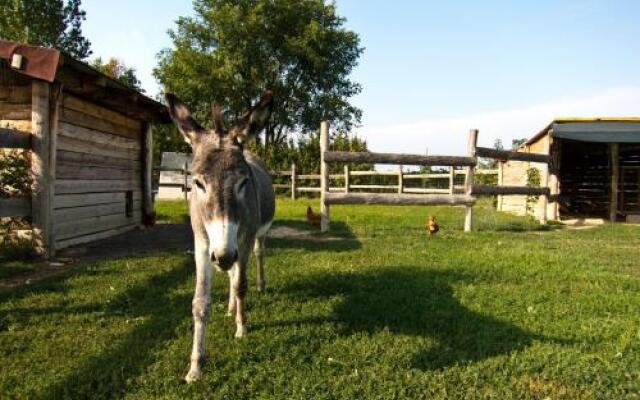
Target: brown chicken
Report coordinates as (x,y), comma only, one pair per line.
(432,226)
(313,218)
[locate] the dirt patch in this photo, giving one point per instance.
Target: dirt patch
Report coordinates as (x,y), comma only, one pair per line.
(162,237)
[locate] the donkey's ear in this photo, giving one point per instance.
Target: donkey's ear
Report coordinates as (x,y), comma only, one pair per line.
(254,121)
(181,116)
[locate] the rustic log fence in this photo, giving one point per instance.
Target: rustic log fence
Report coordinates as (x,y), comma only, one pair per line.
(402,197)
(310,183)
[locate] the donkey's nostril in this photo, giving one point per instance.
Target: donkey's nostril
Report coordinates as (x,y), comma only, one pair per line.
(225,260)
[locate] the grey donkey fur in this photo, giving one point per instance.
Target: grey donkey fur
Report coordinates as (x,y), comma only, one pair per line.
(232,206)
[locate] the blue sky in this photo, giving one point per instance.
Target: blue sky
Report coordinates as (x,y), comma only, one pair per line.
(432,70)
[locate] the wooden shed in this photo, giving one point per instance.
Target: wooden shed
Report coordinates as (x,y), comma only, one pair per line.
(594,170)
(89,143)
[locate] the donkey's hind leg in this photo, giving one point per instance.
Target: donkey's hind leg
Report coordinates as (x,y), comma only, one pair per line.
(258,251)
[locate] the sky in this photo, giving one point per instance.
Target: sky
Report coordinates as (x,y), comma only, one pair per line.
(432,70)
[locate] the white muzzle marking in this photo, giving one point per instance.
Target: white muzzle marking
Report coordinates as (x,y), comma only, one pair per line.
(223,237)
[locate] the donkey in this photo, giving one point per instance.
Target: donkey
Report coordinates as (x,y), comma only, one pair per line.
(232,206)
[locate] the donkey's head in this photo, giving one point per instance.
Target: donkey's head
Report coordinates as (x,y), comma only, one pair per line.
(223,197)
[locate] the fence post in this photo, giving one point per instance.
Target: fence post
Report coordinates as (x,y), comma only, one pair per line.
(346,178)
(545,182)
(324,176)
(147,176)
(185,188)
(500,183)
(452,180)
(293,181)
(400,179)
(615,171)
(468,180)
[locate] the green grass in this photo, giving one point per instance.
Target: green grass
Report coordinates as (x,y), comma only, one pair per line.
(513,310)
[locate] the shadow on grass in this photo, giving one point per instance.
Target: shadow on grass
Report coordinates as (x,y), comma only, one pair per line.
(296,234)
(107,374)
(418,302)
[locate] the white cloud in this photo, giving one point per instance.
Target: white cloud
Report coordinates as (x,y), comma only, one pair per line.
(449,135)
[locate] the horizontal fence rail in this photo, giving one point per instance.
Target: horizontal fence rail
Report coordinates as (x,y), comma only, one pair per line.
(505,155)
(510,190)
(12,139)
(403,159)
(397,199)
(15,207)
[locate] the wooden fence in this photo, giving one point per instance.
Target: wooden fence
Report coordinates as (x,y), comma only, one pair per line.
(312,181)
(466,199)
(15,206)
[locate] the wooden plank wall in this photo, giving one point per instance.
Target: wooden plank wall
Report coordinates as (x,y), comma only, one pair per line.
(99,159)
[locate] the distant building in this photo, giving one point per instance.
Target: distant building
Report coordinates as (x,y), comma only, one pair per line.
(594,170)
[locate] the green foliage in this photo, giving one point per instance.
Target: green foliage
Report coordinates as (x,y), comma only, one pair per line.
(533,180)
(51,23)
(375,311)
(232,50)
(118,70)
(15,178)
(515,143)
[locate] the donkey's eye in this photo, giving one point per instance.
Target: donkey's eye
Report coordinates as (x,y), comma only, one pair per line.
(199,184)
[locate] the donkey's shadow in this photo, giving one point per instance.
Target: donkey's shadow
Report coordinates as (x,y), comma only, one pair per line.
(416,301)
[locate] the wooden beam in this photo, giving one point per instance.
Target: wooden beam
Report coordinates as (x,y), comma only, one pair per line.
(55,98)
(43,181)
(15,207)
(479,190)
(544,179)
(614,162)
(346,178)
(398,199)
(505,155)
(148,211)
(389,158)
(469,178)
(324,172)
(11,139)
(293,181)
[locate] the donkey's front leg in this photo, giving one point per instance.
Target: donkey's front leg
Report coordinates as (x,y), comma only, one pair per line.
(238,288)
(200,306)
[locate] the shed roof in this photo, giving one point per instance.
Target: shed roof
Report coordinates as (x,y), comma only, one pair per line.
(83,80)
(593,129)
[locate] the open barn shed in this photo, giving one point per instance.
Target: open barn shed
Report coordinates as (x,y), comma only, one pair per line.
(594,170)
(88,140)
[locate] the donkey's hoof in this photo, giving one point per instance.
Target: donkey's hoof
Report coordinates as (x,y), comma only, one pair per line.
(241,332)
(192,376)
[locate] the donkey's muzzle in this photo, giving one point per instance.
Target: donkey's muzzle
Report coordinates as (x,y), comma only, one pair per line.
(225,261)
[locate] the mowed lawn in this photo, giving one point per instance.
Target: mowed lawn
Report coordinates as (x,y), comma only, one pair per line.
(374,310)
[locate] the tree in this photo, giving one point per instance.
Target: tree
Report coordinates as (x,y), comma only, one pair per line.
(232,50)
(515,143)
(118,70)
(51,23)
